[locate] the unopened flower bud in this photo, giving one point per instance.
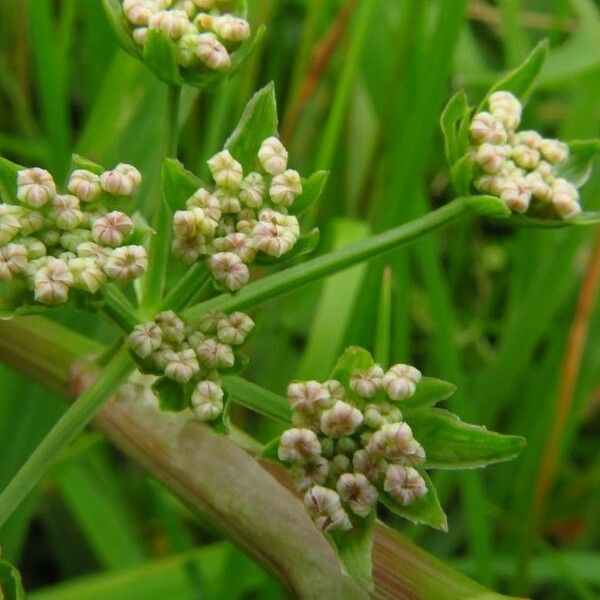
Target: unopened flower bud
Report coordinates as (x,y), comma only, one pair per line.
(230,28)
(239,244)
(66,212)
(366,382)
(272,239)
(326,510)
(10,223)
(565,199)
(211,52)
(85,185)
(516,194)
(506,108)
(404,484)
(395,442)
(335,388)
(35,248)
(234,329)
(35,187)
(174,23)
(525,157)
(226,171)
(229,270)
(529,138)
(126,263)
(372,467)
(138,12)
(377,415)
(32,222)
(490,158)
(112,229)
(140,34)
(214,355)
(207,202)
(298,445)
(340,420)
(486,128)
(401,381)
(51,283)
(358,492)
(308,396)
(93,250)
(554,152)
(285,187)
(189,249)
(539,188)
(184,224)
(87,274)
(123,180)
(207,400)
(210,321)
(145,339)
(15,258)
(171,326)
(309,474)
(182,366)
(273,156)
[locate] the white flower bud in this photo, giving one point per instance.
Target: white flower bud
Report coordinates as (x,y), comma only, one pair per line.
(341,420)
(226,171)
(335,388)
(31,222)
(525,157)
(206,201)
(112,229)
(10,222)
(326,510)
(230,28)
(546,171)
(529,138)
(554,152)
(138,12)
(205,225)
(358,492)
(123,180)
(140,34)
(486,128)
(126,262)
(273,156)
(211,52)
(239,244)
(207,400)
(210,321)
(85,185)
(307,475)
(214,355)
(189,249)
(395,442)
(285,187)
(184,224)
(404,484)
(308,396)
(516,194)
(229,270)
(5,272)
(66,212)
(506,108)
(401,381)
(565,199)
(252,190)
(366,383)
(87,274)
(234,329)
(35,248)
(298,445)
(35,187)
(182,365)
(171,326)
(145,339)
(272,239)
(93,250)
(174,23)
(539,188)
(490,158)
(15,258)
(51,283)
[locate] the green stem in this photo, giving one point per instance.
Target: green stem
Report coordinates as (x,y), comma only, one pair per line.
(119,309)
(317,268)
(258,399)
(72,422)
(160,247)
(187,287)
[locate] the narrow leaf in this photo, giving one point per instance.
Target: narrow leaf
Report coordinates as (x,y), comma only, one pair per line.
(354,358)
(452,444)
(270,451)
(11,587)
(178,184)
(114,12)
(578,168)
(461,175)
(452,115)
(256,398)
(430,391)
(488,206)
(8,180)
(312,188)
(305,245)
(80,162)
(160,55)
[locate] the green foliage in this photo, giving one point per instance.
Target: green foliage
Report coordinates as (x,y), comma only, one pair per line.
(10,582)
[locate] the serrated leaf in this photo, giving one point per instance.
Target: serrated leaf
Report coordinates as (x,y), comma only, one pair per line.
(452,116)
(450,443)
(488,206)
(305,245)
(178,184)
(578,168)
(312,188)
(461,175)
(258,122)
(116,18)
(355,549)
(8,180)
(429,392)
(171,395)
(11,586)
(426,510)
(160,55)
(521,80)
(80,162)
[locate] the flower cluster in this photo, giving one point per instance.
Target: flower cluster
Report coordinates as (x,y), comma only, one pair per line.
(56,241)
(204,32)
(192,356)
(241,217)
(520,167)
(348,446)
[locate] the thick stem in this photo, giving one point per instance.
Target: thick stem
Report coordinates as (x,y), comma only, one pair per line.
(317,268)
(119,309)
(77,416)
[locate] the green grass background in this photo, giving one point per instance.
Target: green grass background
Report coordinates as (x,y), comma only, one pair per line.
(483,305)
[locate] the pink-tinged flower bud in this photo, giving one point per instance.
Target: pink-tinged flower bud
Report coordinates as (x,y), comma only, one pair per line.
(298,445)
(210,321)
(112,229)
(506,108)
(182,365)
(226,171)
(516,194)
(138,12)
(358,492)
(171,326)
(123,180)
(486,128)
(370,466)
(207,202)
(10,222)
(529,138)
(554,152)
(234,329)
(85,185)
(377,415)
(230,28)
(366,383)
(174,23)
(285,187)
(490,184)
(35,187)
(207,400)
(214,355)
(404,484)
(35,248)
(307,475)
(239,244)
(145,339)
(87,274)
(51,283)
(273,156)
(525,157)
(184,224)
(401,381)
(336,389)
(308,396)
(126,263)
(229,270)
(15,258)
(189,249)
(271,239)
(211,52)
(66,212)
(93,250)
(252,190)
(204,224)
(565,199)
(490,158)
(326,510)
(395,442)
(340,420)
(540,190)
